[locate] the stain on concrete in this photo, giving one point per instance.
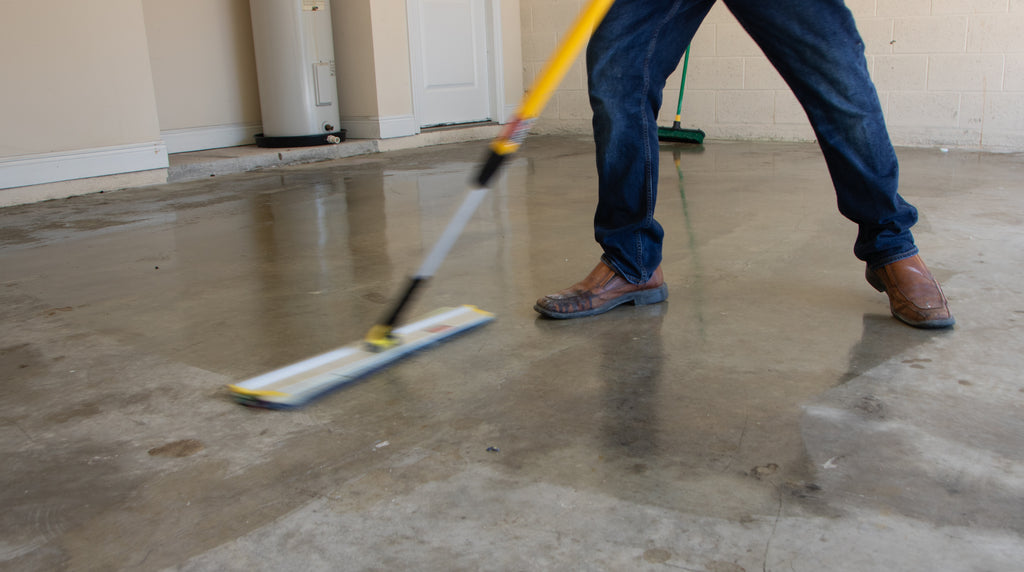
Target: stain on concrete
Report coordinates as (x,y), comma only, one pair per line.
(722,566)
(81,411)
(761,471)
(871,406)
(182,448)
(657,555)
(20,361)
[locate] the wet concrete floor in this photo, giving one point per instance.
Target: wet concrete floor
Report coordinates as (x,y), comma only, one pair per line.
(770,415)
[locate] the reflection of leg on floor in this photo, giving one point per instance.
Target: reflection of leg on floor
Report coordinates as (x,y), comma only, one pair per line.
(631,367)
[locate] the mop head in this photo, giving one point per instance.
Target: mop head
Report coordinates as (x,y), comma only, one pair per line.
(680,135)
(301,382)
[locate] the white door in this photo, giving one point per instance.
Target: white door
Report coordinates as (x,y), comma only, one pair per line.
(448,42)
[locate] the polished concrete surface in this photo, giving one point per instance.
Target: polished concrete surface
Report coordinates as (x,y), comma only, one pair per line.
(770,415)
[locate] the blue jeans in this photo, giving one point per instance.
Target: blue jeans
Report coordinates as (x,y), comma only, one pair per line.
(814,45)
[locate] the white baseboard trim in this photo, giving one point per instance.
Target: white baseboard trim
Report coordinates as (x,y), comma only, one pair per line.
(26,170)
(379,127)
(398,126)
(215,137)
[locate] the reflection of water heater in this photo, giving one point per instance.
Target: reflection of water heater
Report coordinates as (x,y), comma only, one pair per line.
(295,70)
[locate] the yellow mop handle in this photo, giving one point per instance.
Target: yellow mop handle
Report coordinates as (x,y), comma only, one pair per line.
(380,336)
(545,84)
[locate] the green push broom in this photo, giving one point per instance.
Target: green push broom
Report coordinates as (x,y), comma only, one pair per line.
(676,132)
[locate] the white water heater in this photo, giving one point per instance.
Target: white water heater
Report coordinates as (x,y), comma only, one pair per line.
(295,71)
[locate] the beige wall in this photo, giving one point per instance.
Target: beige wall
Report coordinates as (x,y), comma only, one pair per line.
(78,102)
(204,72)
(357,74)
(96,93)
(512,53)
(949,73)
(391,57)
(372,57)
(75,75)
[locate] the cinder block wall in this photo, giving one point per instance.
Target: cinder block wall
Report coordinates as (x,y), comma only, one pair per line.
(949,73)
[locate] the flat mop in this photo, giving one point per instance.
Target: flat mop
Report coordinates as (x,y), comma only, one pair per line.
(385,343)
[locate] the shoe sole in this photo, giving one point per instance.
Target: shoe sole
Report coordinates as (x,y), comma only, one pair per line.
(639,298)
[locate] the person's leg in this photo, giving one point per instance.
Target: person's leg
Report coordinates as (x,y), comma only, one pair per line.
(629,58)
(815,46)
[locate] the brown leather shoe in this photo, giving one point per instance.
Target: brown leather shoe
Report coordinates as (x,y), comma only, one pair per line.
(914,295)
(602,290)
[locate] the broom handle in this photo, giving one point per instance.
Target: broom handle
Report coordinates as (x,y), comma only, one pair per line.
(506,143)
(682,85)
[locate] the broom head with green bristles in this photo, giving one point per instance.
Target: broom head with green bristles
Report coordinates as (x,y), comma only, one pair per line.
(678,134)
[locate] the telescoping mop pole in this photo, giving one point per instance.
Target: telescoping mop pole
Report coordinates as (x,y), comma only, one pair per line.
(507,142)
(298,383)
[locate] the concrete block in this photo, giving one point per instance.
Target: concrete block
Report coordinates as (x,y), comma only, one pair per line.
(538,47)
(972,110)
(715,73)
(720,14)
(1003,140)
(900,73)
(676,76)
(877,35)
(910,136)
(996,33)
(923,109)
(525,18)
(555,16)
(883,99)
(1013,78)
(1005,112)
(759,73)
(530,72)
(747,107)
(573,105)
(965,72)
(756,132)
(576,76)
(929,35)
(703,42)
(788,110)
(698,108)
(862,8)
(733,40)
(898,8)
(552,110)
(941,7)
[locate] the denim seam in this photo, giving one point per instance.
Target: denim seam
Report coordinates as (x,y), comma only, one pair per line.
(645,128)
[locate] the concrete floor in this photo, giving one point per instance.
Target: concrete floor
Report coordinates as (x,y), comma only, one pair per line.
(770,416)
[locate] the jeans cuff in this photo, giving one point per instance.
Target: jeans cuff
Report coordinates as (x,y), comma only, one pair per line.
(615,267)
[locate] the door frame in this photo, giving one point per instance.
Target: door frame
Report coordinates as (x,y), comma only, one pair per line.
(495,62)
